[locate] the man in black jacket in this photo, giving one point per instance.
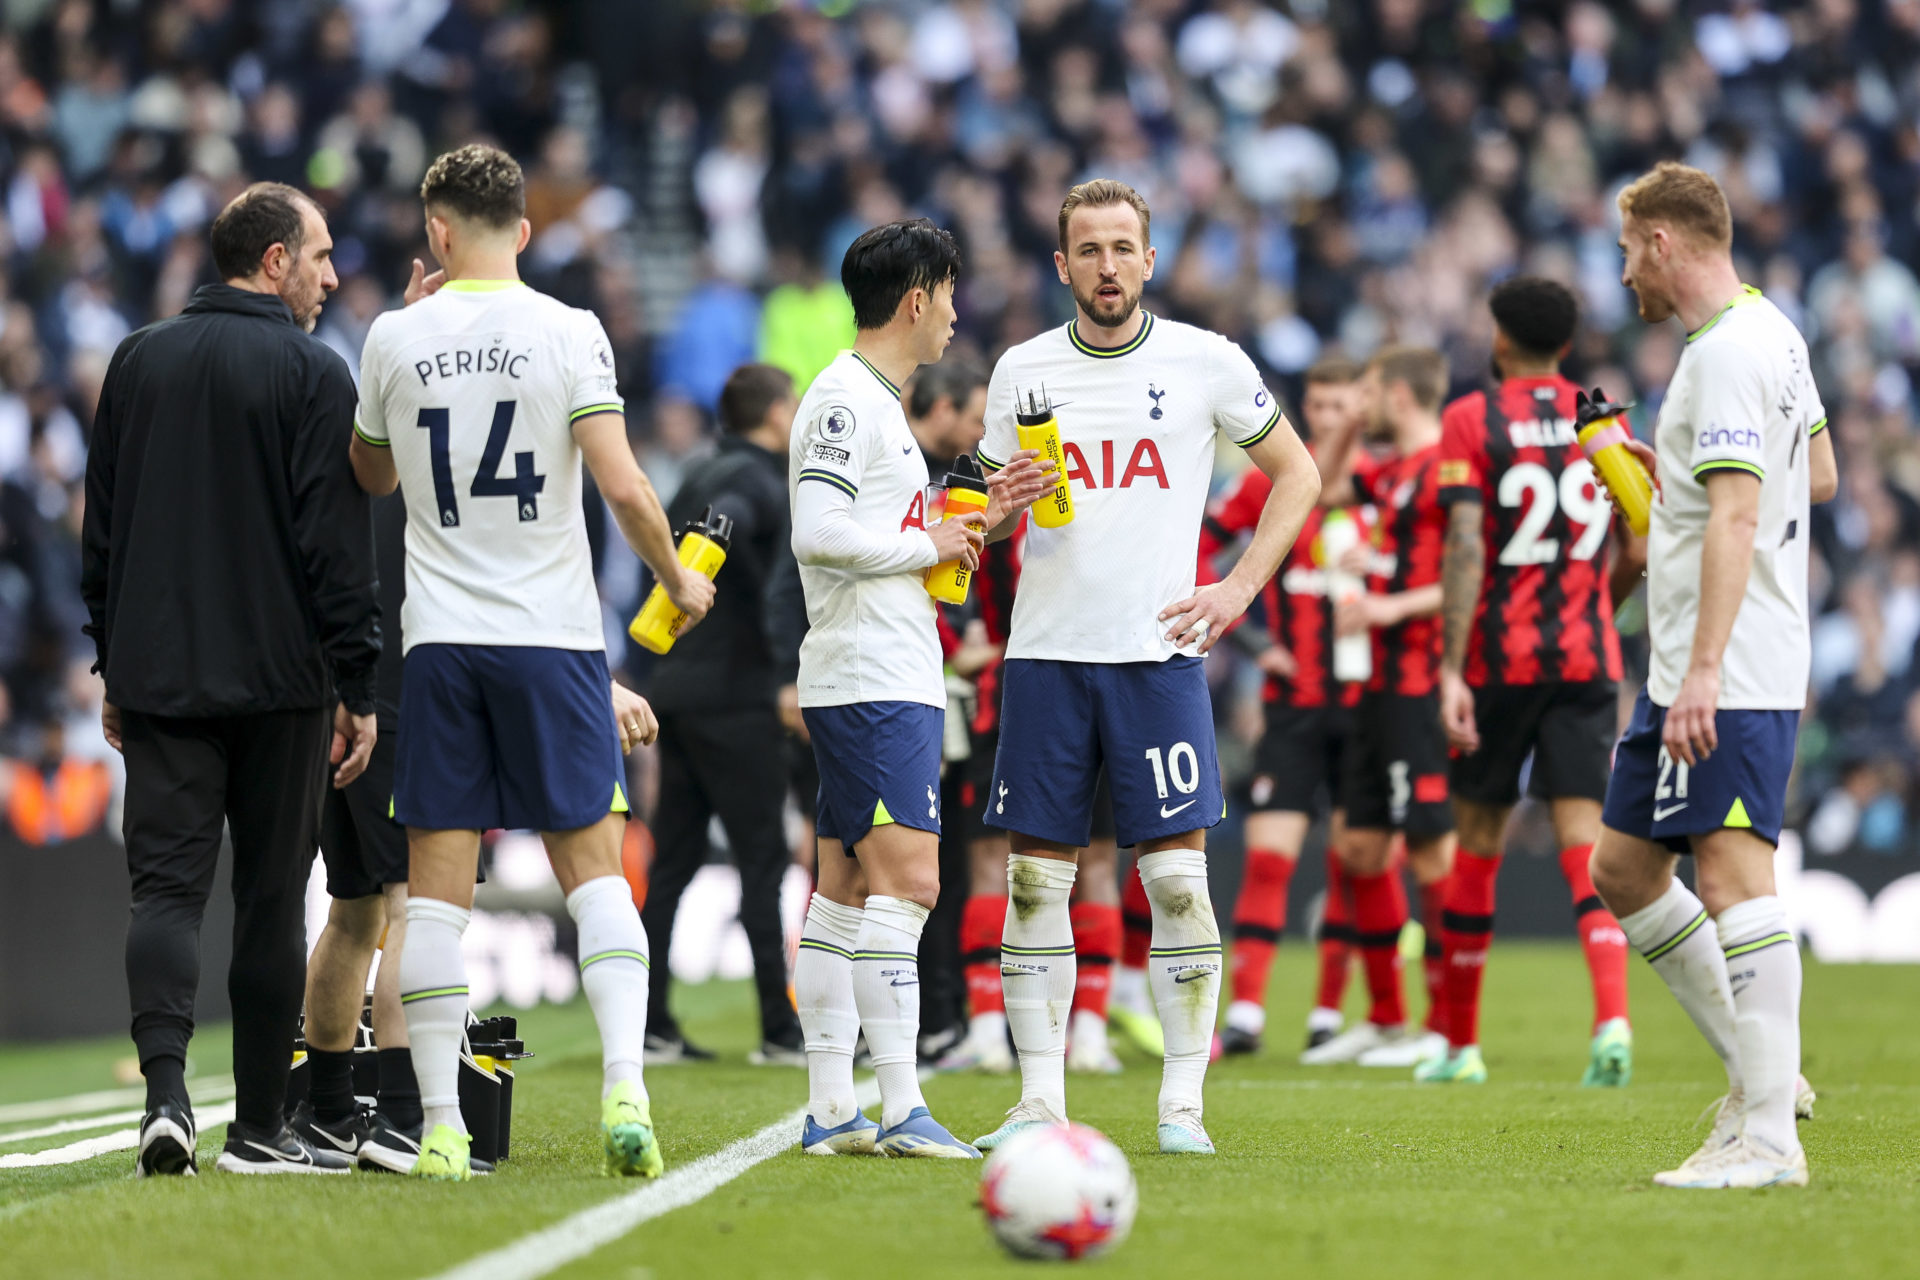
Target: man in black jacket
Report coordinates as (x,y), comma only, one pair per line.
(229,578)
(722,745)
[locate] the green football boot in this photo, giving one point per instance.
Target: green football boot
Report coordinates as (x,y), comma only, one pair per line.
(1456,1066)
(446,1155)
(1610,1061)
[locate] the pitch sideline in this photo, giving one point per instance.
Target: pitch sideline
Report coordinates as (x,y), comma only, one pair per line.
(550,1248)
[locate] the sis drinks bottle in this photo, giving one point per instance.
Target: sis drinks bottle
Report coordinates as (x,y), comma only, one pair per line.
(1339,534)
(1041,431)
(966,499)
(703,548)
(1603,436)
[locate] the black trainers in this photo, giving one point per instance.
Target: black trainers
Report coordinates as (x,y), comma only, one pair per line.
(786,1048)
(167,1138)
(664,1050)
(344,1136)
(248,1151)
(934,1045)
(1233,1040)
(392,1149)
(1318,1036)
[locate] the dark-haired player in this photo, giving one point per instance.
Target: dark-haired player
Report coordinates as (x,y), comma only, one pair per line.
(485,398)
(1395,774)
(1531,660)
(1309,720)
(872,689)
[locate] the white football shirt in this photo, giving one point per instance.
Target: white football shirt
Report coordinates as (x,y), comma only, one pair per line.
(475,390)
(871,636)
(1742,398)
(1137,427)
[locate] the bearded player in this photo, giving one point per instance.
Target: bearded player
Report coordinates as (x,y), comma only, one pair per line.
(1530,661)
(1739,452)
(1103,662)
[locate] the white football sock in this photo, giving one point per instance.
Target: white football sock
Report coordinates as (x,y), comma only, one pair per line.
(1130,990)
(1089,1034)
(1037,971)
(1245,1015)
(1678,938)
(433,996)
(823,994)
(1183,966)
(613,969)
(987,1028)
(1763,969)
(886,990)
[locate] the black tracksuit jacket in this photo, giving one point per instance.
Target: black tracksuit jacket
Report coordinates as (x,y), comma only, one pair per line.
(227,554)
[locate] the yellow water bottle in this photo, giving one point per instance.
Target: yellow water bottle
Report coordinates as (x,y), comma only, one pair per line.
(703,549)
(1603,437)
(1040,430)
(966,499)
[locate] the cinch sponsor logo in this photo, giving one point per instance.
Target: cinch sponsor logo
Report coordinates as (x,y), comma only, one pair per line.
(1740,438)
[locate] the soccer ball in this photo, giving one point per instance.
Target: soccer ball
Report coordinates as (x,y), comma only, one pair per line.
(1050,1192)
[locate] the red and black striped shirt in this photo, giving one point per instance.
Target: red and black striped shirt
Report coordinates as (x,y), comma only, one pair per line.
(1299,612)
(1546,610)
(1408,533)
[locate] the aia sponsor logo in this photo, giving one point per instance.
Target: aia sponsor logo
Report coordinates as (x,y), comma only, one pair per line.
(1143,464)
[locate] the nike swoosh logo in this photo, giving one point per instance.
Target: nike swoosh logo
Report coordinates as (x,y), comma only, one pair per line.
(1661,815)
(1193,975)
(278,1154)
(910,982)
(1168,813)
(906,449)
(346,1144)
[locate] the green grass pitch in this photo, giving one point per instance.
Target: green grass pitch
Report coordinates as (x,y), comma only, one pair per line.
(1332,1173)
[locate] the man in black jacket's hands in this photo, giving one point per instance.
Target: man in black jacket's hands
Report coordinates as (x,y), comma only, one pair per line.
(228,572)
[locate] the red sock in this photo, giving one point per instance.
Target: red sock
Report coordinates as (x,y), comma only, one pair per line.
(1136,918)
(980,923)
(1433,898)
(1600,937)
(1259,914)
(1379,910)
(1465,935)
(1336,936)
(1096,941)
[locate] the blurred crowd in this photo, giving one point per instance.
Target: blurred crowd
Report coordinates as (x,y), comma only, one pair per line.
(1323,176)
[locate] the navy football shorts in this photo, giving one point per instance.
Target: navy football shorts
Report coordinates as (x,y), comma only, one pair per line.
(512,736)
(1742,784)
(879,762)
(1149,723)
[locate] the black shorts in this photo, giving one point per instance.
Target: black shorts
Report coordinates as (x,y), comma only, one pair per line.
(364,848)
(1568,728)
(979,766)
(1396,773)
(1296,767)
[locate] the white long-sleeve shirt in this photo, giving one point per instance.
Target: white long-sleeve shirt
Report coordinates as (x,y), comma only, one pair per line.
(858,483)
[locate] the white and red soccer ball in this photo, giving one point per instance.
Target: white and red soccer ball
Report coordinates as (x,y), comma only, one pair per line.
(1064,1193)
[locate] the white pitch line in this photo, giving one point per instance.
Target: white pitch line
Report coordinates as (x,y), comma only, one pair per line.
(88,1148)
(81,1103)
(100,1121)
(549,1249)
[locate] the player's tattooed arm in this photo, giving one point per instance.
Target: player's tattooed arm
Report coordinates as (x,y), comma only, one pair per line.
(1463,570)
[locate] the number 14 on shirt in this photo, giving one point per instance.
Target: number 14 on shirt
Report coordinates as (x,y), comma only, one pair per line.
(523,486)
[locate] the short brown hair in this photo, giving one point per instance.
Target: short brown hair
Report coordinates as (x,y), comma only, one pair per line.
(751,390)
(1423,369)
(477,183)
(1685,198)
(265,214)
(1099,193)
(1333,371)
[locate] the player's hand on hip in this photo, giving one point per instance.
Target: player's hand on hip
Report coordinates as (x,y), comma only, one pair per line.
(353,739)
(1203,617)
(1690,734)
(421,285)
(959,540)
(638,726)
(1018,485)
(1456,713)
(693,596)
(110,725)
